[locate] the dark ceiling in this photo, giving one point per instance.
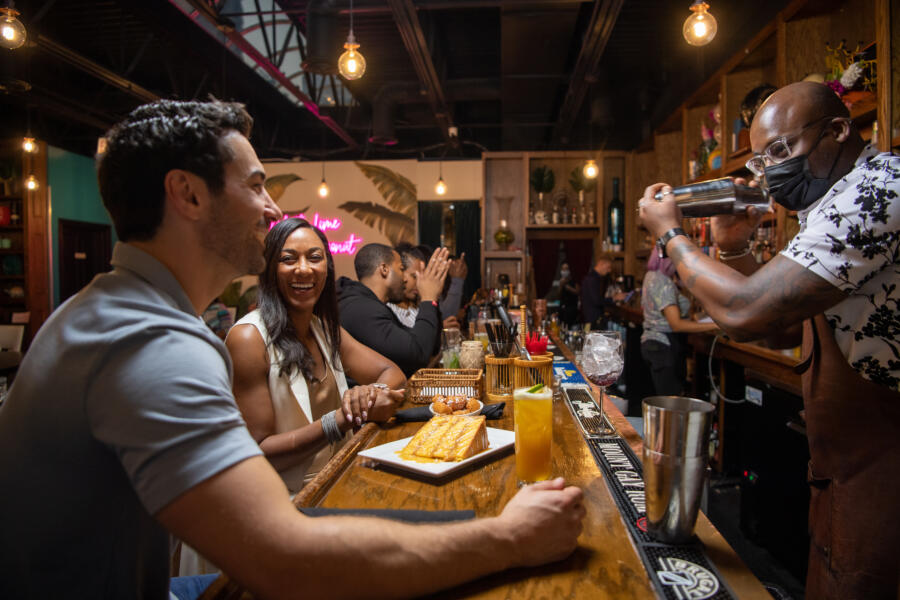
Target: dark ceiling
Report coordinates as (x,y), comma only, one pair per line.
(508,74)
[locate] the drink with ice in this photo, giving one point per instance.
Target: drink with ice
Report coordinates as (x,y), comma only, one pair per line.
(534,430)
(603,359)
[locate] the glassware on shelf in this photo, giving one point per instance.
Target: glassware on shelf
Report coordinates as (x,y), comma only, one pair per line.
(603,360)
(504,235)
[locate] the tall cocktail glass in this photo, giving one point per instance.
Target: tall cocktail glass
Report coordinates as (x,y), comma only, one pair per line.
(603,360)
(534,431)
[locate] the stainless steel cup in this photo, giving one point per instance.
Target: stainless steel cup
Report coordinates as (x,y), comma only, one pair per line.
(676,453)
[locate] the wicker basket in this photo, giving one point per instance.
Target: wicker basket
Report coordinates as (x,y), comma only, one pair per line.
(498,378)
(532,372)
(425,383)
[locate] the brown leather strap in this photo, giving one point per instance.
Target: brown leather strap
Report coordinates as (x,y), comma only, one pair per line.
(806,363)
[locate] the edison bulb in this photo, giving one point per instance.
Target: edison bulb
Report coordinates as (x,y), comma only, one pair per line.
(31,183)
(323,189)
(440,188)
(28,145)
(12,32)
(590,169)
(351,64)
(700,28)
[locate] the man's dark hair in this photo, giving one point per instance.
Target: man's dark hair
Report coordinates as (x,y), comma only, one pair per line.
(274,312)
(408,253)
(154,139)
(370,257)
(426,251)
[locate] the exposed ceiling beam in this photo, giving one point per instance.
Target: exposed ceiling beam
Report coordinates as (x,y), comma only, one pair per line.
(235,37)
(414,39)
(603,18)
(377,7)
(91,68)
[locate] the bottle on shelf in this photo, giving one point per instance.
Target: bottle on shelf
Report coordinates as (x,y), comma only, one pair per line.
(616,219)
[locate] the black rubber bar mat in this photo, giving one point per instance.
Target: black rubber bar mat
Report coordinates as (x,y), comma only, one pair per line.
(680,572)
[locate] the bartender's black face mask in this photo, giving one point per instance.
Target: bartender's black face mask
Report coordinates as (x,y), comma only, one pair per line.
(792,184)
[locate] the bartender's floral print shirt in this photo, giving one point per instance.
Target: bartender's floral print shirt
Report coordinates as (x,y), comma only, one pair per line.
(851,238)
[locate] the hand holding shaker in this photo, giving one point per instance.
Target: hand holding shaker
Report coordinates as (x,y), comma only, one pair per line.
(718,197)
(675,457)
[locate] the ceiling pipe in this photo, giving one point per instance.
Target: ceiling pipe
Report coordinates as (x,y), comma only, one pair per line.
(384,105)
(323,42)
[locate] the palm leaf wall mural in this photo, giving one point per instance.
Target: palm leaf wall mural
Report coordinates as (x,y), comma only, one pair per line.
(400,194)
(276,184)
(394,226)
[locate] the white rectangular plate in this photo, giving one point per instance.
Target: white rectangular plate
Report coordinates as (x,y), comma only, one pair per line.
(498,440)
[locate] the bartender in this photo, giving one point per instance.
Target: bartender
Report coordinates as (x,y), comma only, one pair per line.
(836,285)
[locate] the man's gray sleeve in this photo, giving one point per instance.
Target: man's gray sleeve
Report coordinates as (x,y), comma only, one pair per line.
(162,402)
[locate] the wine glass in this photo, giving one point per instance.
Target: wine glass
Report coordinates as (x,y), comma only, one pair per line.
(603,360)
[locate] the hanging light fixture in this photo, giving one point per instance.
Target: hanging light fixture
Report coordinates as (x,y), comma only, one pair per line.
(31,183)
(590,169)
(351,64)
(29,145)
(323,189)
(440,187)
(699,28)
(12,32)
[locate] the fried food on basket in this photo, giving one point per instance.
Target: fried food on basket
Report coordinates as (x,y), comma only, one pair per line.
(453,405)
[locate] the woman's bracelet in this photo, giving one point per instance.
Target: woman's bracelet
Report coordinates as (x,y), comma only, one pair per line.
(725,256)
(330,428)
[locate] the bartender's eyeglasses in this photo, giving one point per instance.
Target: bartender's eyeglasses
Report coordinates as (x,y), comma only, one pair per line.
(779,150)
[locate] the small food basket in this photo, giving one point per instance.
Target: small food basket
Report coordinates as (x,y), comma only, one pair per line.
(425,383)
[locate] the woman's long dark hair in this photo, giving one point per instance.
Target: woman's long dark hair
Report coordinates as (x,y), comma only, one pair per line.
(274,312)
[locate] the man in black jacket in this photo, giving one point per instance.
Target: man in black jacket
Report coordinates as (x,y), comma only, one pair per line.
(367,318)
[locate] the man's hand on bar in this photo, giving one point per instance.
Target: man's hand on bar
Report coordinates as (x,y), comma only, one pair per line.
(544,521)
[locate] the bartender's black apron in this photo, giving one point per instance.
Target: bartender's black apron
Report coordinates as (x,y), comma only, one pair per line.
(854,474)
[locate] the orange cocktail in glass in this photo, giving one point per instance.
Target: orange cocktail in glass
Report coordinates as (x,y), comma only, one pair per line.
(534,430)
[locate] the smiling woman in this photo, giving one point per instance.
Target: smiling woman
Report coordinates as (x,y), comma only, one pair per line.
(291,355)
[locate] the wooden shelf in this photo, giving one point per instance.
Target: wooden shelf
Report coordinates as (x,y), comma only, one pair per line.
(508,254)
(565,226)
(11,251)
(10,228)
(13,277)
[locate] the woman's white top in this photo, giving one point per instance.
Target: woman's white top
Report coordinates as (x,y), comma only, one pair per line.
(291,400)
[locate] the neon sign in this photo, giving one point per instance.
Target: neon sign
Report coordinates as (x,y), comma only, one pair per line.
(348,246)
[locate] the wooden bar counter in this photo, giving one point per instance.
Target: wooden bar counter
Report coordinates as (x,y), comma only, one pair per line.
(605,565)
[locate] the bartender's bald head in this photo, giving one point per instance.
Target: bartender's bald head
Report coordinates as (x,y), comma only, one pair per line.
(801,112)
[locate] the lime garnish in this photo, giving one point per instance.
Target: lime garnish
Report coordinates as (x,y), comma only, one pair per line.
(535,388)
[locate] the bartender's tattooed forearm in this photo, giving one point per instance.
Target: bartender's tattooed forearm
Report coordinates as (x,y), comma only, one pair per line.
(686,254)
(773,299)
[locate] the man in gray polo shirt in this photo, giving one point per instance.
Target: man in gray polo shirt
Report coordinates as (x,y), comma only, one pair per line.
(121,424)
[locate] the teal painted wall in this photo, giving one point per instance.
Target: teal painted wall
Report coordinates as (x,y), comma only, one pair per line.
(73,195)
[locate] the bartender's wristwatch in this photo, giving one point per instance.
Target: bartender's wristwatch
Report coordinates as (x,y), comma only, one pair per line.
(664,239)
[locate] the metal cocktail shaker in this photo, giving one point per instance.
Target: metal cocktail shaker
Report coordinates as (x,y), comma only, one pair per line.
(675,459)
(718,197)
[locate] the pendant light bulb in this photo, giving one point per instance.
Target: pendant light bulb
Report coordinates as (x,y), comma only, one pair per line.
(701,27)
(351,64)
(590,169)
(12,32)
(29,145)
(323,189)
(31,183)
(440,188)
